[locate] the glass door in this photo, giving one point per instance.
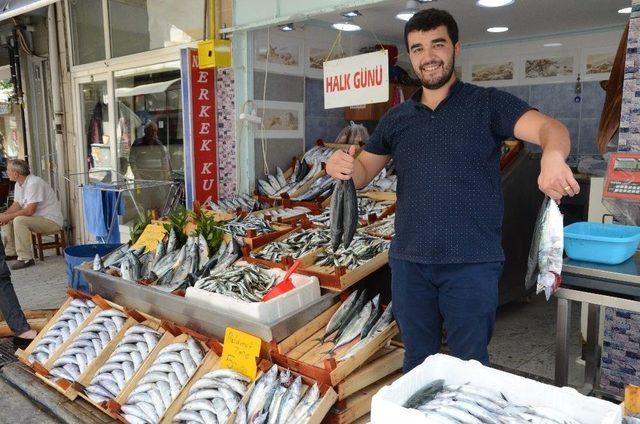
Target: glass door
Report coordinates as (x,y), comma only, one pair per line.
(94,127)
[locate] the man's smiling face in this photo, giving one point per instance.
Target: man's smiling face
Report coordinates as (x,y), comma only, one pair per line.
(433,55)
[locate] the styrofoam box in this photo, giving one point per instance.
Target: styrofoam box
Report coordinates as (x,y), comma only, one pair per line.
(306,292)
(386,404)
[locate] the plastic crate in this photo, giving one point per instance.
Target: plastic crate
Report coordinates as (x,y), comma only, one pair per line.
(602,243)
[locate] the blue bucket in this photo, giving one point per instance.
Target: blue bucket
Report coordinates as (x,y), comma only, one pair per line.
(76,255)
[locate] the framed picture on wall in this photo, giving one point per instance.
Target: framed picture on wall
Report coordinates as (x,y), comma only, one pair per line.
(316,55)
(558,67)
(501,70)
(281,119)
(284,54)
(596,63)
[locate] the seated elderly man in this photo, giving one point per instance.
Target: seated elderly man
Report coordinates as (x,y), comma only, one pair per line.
(35,208)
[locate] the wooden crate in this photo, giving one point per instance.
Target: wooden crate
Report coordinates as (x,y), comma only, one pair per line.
(23,355)
(138,318)
(174,334)
(358,404)
(68,388)
(381,196)
(303,353)
(340,278)
(384,362)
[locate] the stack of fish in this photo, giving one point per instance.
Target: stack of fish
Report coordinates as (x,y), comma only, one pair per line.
(277,398)
(133,349)
(362,249)
(357,317)
(230,205)
(323,219)
(214,397)
(320,189)
(385,228)
(344,214)
(88,345)
(476,405)
(163,381)
(384,181)
(276,186)
(168,268)
(72,317)
(296,245)
(238,227)
(248,282)
(368,206)
(283,213)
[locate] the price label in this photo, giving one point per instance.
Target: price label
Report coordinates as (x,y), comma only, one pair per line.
(150,237)
(240,351)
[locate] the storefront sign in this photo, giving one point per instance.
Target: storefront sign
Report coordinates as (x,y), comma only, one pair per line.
(356,80)
(240,352)
(201,134)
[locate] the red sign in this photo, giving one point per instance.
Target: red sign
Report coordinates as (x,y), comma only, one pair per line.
(204,130)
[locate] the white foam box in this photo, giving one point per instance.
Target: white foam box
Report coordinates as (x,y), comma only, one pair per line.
(386,404)
(306,292)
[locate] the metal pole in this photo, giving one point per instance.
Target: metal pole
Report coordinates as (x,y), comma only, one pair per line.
(562,342)
(58,112)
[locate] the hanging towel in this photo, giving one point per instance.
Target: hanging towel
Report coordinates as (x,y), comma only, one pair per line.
(99,209)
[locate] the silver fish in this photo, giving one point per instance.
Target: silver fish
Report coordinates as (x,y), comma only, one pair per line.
(172,242)
(355,326)
(306,406)
(126,270)
(343,312)
(261,390)
(97,263)
(203,251)
(290,400)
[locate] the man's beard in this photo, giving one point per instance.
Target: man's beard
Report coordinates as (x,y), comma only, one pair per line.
(442,81)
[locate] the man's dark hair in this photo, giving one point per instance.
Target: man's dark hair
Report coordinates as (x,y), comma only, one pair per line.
(428,19)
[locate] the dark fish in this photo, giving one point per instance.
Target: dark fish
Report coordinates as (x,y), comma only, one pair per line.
(336,212)
(349,212)
(425,394)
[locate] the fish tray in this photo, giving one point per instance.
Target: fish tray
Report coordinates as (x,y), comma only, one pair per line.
(380,196)
(23,355)
(340,278)
(138,318)
(211,363)
(372,217)
(285,261)
(358,404)
(302,351)
(68,388)
(174,334)
(370,229)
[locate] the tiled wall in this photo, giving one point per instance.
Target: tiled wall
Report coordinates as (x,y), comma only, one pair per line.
(557,100)
(320,123)
(630,120)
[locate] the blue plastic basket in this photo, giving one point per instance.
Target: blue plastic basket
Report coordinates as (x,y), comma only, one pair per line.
(609,244)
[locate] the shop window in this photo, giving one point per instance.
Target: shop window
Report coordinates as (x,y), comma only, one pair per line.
(149,125)
(141,25)
(87,31)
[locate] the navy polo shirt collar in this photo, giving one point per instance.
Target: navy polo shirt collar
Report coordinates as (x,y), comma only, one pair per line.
(417,96)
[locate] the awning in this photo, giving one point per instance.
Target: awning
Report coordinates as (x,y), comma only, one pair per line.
(156,87)
(11,8)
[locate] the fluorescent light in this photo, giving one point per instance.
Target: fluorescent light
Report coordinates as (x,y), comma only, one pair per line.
(286,27)
(553,45)
(352,14)
(410,9)
(494,3)
(498,29)
(625,10)
(346,26)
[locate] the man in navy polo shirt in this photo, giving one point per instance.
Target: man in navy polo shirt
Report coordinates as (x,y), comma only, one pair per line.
(446,257)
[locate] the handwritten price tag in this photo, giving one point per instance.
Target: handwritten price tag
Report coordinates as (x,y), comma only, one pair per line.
(240,352)
(150,237)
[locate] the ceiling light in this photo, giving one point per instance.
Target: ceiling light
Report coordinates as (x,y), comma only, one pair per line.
(352,14)
(347,25)
(286,27)
(410,9)
(625,10)
(494,3)
(553,45)
(498,29)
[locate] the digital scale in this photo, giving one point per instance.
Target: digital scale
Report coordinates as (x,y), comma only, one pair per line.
(623,177)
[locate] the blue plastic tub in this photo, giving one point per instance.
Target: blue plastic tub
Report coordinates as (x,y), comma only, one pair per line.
(75,255)
(609,244)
